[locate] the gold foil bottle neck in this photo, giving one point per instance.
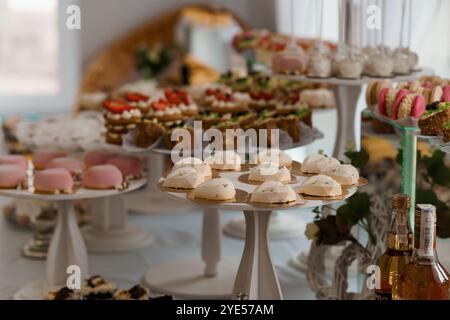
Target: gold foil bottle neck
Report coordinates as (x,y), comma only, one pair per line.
(401,202)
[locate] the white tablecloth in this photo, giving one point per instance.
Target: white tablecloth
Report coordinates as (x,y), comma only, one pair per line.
(176,236)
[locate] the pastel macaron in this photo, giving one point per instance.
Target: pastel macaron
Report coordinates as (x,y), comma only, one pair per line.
(418,106)
(53,180)
(128,165)
(446,94)
(105,176)
(96,157)
(14,159)
(382,101)
(42,158)
(398,99)
(11,175)
(71,164)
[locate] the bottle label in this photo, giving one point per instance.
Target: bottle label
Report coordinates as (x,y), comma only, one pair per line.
(427,235)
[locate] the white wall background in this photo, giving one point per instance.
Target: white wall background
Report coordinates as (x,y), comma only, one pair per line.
(105,20)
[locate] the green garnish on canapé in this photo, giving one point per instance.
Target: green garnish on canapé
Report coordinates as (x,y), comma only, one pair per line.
(302,112)
(442,106)
(446,125)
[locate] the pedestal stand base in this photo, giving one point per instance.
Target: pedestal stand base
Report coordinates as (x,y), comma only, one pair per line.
(186,280)
(116,240)
(281,227)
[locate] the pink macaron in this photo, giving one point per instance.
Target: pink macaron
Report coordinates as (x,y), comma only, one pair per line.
(96,157)
(427,84)
(446,94)
(53,180)
(128,165)
(104,176)
(382,101)
(398,99)
(71,164)
(418,106)
(42,158)
(14,159)
(11,175)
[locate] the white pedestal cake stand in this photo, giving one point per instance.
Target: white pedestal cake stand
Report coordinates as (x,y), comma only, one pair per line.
(109,230)
(67,246)
(256,278)
(209,278)
(281,226)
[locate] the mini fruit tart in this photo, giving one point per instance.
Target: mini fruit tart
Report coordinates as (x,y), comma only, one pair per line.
(164,111)
(120,112)
(139,101)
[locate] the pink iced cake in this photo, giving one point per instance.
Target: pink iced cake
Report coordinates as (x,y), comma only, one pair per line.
(54,181)
(11,176)
(14,159)
(103,176)
(41,159)
(129,166)
(71,164)
(96,157)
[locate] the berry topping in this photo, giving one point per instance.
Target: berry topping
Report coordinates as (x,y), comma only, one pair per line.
(161,104)
(117,106)
(136,97)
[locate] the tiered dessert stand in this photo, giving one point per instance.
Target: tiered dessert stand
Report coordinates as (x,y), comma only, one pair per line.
(67,246)
(256,278)
(286,225)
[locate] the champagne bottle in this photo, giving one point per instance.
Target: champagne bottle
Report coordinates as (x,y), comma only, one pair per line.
(399,247)
(424,278)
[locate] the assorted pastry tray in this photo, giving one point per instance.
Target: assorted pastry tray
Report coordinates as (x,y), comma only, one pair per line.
(248,187)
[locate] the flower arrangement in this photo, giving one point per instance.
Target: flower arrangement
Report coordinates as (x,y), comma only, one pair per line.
(151,61)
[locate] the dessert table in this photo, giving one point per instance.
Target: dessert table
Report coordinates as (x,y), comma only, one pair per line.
(67,246)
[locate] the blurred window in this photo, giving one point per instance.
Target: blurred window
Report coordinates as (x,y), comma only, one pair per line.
(39,59)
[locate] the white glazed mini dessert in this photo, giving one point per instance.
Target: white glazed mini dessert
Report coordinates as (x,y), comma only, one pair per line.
(344,174)
(318,98)
(268,171)
(201,166)
(225,160)
(184,178)
(401,62)
(326,163)
(274,192)
(380,65)
(351,67)
(309,165)
(319,66)
(274,156)
(218,189)
(320,186)
(337,56)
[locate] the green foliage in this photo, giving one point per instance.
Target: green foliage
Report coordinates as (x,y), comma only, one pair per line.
(150,61)
(329,232)
(334,229)
(356,209)
(429,196)
(358,159)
